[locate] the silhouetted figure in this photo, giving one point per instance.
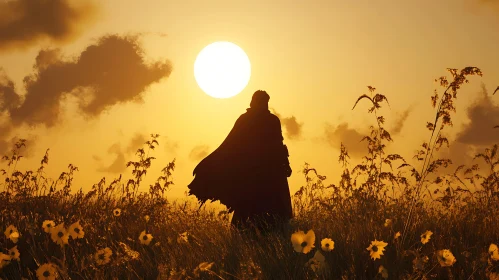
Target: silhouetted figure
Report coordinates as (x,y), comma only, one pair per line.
(248,172)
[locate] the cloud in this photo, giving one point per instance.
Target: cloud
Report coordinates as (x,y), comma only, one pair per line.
(119,163)
(199,152)
(136,143)
(475,136)
(399,123)
(24,23)
(293,128)
(170,146)
(117,166)
(8,97)
(349,137)
(105,74)
(6,146)
(110,72)
(483,116)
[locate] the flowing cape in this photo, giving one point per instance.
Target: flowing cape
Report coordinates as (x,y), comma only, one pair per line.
(236,172)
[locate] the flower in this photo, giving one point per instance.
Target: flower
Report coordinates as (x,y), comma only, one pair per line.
(14,254)
(397,235)
(46,272)
(9,230)
(425,237)
(59,235)
(493,276)
(376,249)
(145,238)
(327,244)
(76,231)
(147,218)
(103,256)
(317,262)
(4,260)
(388,223)
(117,212)
(48,225)
(383,271)
(14,236)
(12,233)
(182,238)
(445,257)
(494,252)
(303,243)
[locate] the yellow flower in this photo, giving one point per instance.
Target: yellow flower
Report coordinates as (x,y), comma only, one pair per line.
(14,236)
(117,212)
(59,235)
(76,231)
(327,244)
(425,237)
(494,252)
(317,262)
(145,238)
(10,229)
(383,271)
(14,254)
(376,249)
(4,260)
(303,243)
(48,225)
(397,235)
(493,276)
(388,223)
(445,257)
(46,272)
(183,238)
(12,233)
(103,256)
(147,218)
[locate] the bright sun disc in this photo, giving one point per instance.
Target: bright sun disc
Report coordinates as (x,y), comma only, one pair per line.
(222,69)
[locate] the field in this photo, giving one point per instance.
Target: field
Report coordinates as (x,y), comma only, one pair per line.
(385,219)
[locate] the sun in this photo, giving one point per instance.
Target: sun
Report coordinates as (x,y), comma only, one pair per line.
(222,69)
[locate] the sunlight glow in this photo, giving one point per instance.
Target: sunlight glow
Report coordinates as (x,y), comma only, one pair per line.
(222,69)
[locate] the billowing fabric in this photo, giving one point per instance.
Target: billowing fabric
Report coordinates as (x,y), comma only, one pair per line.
(247,172)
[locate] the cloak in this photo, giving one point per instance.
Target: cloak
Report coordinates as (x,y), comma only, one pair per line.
(247,171)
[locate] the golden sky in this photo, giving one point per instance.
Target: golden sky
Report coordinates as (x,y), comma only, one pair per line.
(314,58)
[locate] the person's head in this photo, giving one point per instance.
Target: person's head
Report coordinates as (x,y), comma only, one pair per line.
(260,100)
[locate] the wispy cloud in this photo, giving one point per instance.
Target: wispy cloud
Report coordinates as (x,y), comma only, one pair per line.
(400,121)
(349,137)
(483,116)
(6,145)
(119,163)
(292,126)
(24,23)
(199,152)
(170,146)
(474,136)
(110,72)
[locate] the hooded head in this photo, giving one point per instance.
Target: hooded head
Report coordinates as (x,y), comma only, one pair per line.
(260,100)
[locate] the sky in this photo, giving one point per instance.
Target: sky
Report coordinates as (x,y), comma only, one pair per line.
(91,80)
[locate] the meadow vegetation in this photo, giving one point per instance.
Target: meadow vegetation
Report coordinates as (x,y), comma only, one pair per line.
(385,219)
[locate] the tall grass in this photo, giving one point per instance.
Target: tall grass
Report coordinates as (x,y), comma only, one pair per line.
(126,234)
